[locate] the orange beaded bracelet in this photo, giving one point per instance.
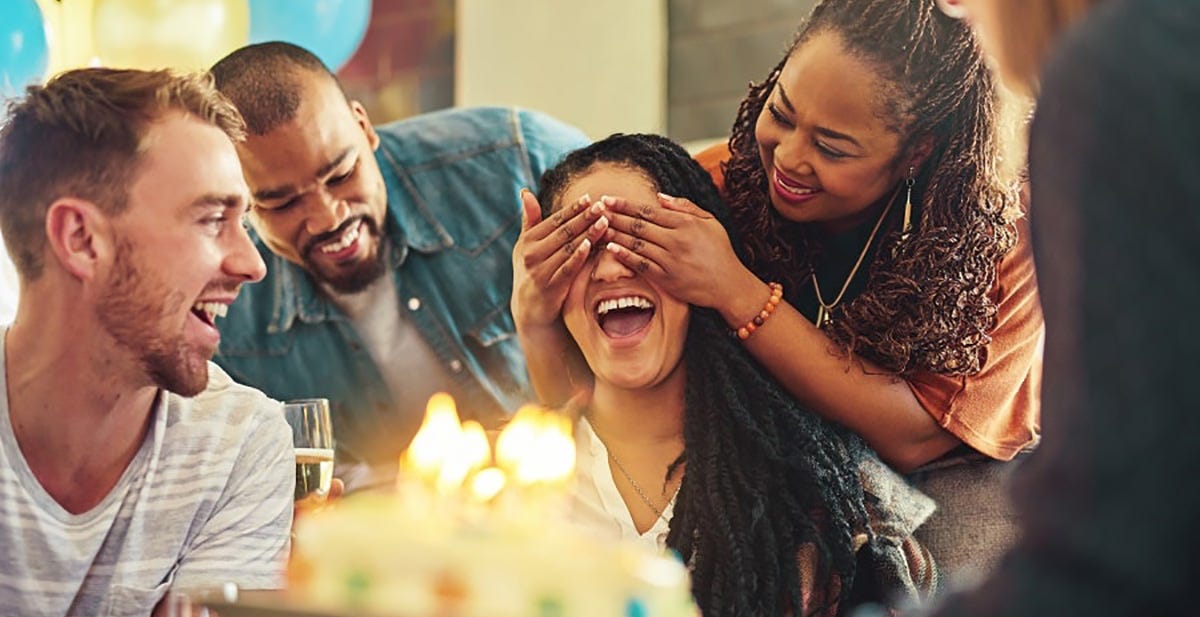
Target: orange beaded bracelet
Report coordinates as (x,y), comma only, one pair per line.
(745,331)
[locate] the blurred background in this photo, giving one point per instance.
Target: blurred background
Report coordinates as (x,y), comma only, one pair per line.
(676,67)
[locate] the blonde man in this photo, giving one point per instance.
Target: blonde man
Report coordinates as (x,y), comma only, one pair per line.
(128,463)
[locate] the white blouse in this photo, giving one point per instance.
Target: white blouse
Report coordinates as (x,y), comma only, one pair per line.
(595,505)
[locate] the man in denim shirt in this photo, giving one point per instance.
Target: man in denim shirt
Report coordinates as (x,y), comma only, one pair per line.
(388,251)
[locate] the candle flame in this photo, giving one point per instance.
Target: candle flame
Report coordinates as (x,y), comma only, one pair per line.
(487,484)
(436,439)
(536,447)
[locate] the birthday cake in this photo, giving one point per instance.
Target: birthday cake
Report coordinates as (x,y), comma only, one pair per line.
(462,538)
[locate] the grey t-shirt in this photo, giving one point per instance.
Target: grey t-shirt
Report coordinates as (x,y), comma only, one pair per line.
(206,500)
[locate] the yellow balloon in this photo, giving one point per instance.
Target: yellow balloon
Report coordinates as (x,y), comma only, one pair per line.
(52,16)
(179,34)
(76,22)
(69,26)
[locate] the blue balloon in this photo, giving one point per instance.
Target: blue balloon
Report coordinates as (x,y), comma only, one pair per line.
(24,53)
(330,29)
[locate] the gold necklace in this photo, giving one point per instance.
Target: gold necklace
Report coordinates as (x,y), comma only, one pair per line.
(641,493)
(825,310)
(638,488)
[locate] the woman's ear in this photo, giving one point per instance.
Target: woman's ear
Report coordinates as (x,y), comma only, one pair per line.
(919,153)
(78,236)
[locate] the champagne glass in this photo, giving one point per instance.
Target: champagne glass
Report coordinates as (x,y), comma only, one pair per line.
(312,438)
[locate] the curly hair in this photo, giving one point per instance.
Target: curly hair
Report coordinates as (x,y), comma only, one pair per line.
(764,476)
(925,306)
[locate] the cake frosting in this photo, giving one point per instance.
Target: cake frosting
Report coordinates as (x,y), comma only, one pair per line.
(431,551)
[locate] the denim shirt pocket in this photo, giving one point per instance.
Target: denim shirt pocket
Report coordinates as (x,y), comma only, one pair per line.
(445,208)
(494,327)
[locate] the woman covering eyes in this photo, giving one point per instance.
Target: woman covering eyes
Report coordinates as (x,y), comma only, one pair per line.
(864,176)
(684,442)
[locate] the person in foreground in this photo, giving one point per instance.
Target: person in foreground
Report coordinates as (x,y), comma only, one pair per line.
(388,252)
(1108,504)
(685,443)
(863,176)
(129,464)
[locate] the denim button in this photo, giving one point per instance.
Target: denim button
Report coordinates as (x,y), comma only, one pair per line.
(455,366)
(414,303)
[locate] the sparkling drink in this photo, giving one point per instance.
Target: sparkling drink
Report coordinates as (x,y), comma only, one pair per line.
(314,472)
(312,439)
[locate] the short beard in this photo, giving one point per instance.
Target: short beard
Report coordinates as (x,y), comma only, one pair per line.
(136,310)
(362,275)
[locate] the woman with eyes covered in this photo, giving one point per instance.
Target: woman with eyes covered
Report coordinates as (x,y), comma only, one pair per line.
(865,176)
(685,443)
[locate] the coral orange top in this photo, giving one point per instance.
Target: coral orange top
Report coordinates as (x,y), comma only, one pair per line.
(996,411)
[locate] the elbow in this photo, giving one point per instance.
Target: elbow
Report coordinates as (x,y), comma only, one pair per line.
(903,460)
(907,457)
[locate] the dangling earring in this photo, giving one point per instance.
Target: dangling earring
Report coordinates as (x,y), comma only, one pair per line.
(906,229)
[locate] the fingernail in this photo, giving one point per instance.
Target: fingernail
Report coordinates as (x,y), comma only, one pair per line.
(613,248)
(608,201)
(665,196)
(597,208)
(585,246)
(600,223)
(584,199)
(525,190)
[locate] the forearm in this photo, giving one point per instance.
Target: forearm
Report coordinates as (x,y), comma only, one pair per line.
(551,359)
(843,388)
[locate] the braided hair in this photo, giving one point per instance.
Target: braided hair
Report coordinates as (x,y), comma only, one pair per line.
(763,475)
(925,305)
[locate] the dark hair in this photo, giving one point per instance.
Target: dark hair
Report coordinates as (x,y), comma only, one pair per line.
(80,135)
(925,305)
(266,81)
(764,476)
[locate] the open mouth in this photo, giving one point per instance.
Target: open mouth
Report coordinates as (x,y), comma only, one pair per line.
(341,244)
(349,236)
(208,312)
(791,187)
(624,316)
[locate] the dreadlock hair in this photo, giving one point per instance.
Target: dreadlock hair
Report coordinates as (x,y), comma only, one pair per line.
(925,305)
(763,475)
(266,82)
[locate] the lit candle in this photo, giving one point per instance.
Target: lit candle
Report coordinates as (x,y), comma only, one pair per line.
(440,430)
(451,466)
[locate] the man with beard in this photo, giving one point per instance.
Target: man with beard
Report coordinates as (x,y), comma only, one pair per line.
(388,250)
(128,463)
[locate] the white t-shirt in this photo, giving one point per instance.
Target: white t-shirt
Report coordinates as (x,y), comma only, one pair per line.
(409,366)
(206,500)
(594,503)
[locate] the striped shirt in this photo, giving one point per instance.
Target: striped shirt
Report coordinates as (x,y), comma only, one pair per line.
(206,500)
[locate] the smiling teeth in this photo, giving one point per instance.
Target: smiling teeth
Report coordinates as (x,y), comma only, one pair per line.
(613,304)
(212,309)
(347,239)
(793,188)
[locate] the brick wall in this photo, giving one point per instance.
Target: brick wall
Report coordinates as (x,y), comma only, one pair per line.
(716,48)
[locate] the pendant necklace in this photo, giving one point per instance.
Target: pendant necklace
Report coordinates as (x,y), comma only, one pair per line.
(825,309)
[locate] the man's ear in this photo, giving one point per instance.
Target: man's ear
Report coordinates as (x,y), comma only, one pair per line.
(360,115)
(78,234)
